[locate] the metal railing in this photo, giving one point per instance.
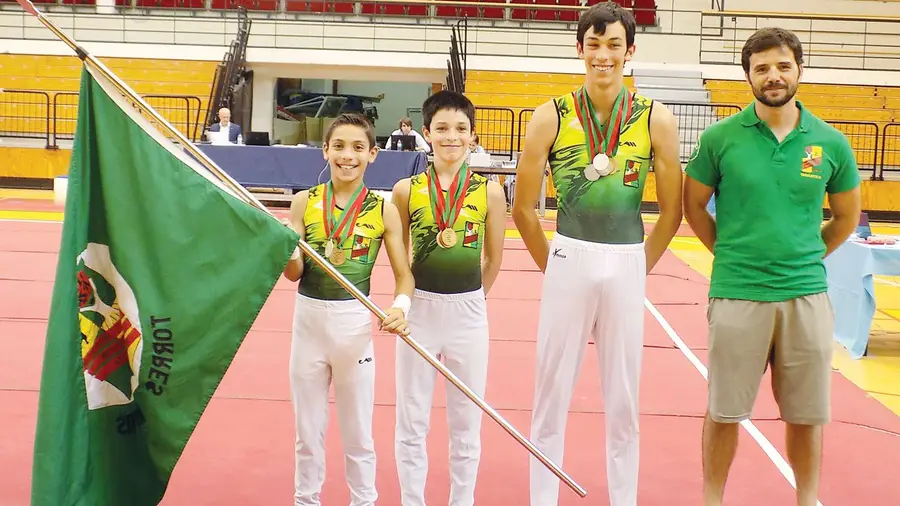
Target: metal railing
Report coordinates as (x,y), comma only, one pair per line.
(863,137)
(693,119)
(25,114)
(496,129)
(35,115)
(889,159)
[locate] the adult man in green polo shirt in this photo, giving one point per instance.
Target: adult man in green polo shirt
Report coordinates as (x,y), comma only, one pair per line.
(770,167)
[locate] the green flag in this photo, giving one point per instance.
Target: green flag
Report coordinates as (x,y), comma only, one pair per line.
(161,273)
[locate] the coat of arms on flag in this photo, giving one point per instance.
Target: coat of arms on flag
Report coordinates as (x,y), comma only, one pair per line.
(110,324)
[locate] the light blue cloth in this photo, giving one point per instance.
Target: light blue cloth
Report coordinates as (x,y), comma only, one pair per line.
(851,288)
(711,206)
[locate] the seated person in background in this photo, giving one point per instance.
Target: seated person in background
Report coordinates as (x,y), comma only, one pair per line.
(407,129)
(474,146)
(225,124)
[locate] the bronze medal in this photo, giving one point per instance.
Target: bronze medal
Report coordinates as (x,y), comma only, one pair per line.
(613,167)
(446,210)
(338,257)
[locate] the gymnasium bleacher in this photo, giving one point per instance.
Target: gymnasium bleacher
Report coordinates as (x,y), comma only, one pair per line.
(45,89)
(540,10)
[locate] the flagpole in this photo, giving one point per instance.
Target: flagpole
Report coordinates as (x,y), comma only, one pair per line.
(123,88)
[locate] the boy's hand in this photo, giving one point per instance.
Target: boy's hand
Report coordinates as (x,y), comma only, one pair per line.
(395,322)
(287,222)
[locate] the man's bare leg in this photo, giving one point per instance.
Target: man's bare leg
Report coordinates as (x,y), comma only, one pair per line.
(804,450)
(719,447)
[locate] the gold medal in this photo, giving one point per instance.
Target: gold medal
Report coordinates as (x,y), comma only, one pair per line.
(338,257)
(329,247)
(613,167)
(448,237)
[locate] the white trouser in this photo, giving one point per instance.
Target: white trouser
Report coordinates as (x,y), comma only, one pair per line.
(594,291)
(332,341)
(453,327)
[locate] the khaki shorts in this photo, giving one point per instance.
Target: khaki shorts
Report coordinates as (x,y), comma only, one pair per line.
(794,337)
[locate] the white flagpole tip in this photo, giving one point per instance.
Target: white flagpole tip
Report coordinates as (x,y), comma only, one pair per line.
(28,6)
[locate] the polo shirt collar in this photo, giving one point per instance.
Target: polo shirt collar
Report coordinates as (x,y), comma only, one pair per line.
(749,117)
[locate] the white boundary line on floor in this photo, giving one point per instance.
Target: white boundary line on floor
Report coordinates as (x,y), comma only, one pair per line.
(751,429)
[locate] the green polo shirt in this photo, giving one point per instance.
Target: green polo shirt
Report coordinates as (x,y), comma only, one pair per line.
(769,202)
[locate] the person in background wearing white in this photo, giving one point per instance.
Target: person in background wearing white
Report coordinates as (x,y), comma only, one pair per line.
(407,129)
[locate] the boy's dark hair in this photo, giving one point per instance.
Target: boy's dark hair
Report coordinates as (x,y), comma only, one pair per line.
(607,13)
(354,119)
(446,99)
(768,38)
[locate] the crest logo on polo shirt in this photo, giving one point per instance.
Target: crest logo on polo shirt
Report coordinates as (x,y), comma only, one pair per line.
(810,165)
(695,152)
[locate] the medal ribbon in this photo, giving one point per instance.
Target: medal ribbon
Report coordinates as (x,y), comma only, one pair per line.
(446,210)
(606,142)
(340,232)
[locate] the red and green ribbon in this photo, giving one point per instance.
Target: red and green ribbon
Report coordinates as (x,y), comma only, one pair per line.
(447,209)
(340,231)
(598,138)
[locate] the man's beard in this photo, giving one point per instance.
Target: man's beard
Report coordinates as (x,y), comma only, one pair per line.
(760,95)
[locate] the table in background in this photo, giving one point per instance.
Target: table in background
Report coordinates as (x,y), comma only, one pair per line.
(300,168)
(511,171)
(851,287)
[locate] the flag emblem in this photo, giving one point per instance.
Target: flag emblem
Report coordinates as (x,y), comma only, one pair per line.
(632,173)
(470,238)
(360,251)
(110,327)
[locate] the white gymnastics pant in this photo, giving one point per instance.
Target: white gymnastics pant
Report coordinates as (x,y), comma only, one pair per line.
(453,327)
(590,290)
(332,342)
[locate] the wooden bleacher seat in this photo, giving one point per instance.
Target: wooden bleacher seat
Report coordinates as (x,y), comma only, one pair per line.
(831,102)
